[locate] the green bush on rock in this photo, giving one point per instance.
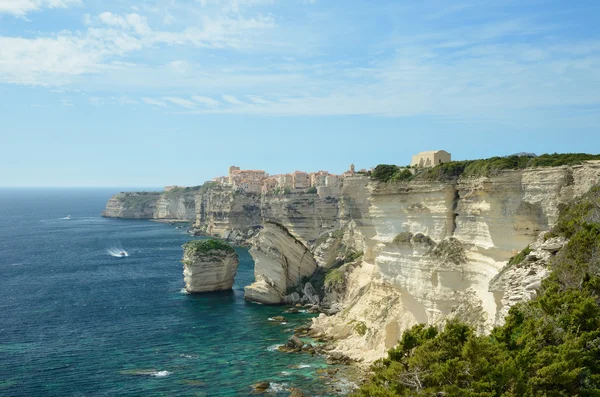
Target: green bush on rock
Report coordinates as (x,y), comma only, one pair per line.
(203,246)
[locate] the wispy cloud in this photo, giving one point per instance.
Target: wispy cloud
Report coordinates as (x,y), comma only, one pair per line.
(154,102)
(232,100)
(181,102)
(54,59)
(22,7)
(205,100)
(475,60)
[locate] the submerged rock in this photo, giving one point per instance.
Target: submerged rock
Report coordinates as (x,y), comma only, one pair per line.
(296,393)
(278,319)
(261,386)
(295,342)
(209,265)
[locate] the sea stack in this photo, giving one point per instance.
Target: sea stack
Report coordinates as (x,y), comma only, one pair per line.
(209,265)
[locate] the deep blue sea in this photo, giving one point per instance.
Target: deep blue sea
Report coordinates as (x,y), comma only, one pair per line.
(77,321)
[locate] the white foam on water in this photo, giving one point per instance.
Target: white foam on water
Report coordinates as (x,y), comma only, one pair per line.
(183,291)
(303,366)
(285,373)
(161,374)
(273,348)
(277,387)
(117,252)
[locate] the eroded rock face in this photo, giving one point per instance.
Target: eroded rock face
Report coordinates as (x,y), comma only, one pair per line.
(281,261)
(208,266)
(176,205)
(453,239)
(132,205)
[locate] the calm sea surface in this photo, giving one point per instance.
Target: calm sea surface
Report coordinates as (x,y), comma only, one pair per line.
(77,321)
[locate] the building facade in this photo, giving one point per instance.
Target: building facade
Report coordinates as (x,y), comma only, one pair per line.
(431,158)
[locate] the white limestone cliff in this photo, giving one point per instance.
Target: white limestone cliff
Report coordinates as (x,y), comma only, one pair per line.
(453,239)
(281,261)
(209,266)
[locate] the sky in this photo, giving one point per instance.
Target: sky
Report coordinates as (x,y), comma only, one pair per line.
(162,92)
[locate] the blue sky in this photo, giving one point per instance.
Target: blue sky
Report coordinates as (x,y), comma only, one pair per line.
(157,92)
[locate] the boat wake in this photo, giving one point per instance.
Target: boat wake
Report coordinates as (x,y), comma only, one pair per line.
(117,252)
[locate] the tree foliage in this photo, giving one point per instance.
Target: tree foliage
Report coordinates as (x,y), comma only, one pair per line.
(549,346)
(491,166)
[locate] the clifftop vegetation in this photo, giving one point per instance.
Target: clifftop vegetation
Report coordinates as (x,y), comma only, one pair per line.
(484,167)
(549,346)
(139,200)
(191,189)
(196,247)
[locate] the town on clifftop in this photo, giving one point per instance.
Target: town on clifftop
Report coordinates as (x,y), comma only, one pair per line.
(321,182)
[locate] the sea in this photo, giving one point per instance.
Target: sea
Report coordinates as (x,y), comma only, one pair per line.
(78,319)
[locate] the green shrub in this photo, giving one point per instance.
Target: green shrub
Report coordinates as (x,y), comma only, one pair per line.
(312,190)
(403,238)
(361,328)
(195,247)
(520,257)
(391,173)
(334,277)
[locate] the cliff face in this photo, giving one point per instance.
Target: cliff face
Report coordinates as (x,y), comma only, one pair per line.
(221,210)
(451,239)
(174,205)
(177,205)
(135,205)
(281,261)
(208,266)
(306,216)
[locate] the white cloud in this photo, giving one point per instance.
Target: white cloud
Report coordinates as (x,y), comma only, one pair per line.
(181,102)
(55,59)
(257,99)
(154,102)
(232,100)
(22,7)
(205,100)
(133,22)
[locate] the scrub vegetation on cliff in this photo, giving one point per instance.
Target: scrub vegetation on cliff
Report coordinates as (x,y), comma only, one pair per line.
(473,168)
(549,346)
(139,200)
(191,189)
(196,247)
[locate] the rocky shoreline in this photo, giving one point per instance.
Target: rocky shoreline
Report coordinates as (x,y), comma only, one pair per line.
(342,375)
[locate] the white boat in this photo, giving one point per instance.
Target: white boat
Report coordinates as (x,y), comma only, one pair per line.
(68,217)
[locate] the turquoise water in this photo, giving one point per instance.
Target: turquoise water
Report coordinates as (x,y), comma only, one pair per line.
(77,321)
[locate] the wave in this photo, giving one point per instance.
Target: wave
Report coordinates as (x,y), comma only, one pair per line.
(117,252)
(273,348)
(161,374)
(277,387)
(146,372)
